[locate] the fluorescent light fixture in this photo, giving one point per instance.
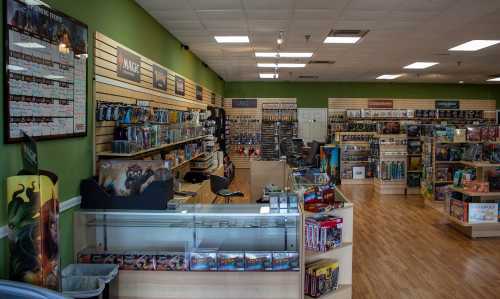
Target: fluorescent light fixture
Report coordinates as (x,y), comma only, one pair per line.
(267,65)
(266,54)
(341,39)
(30,45)
(461,82)
(497,79)
(475,45)
(278,65)
(11,67)
(82,56)
(420,65)
(54,77)
(268,76)
(284,54)
(295,54)
(389,76)
(232,39)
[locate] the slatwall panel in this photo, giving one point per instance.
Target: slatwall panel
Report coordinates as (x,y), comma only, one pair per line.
(362,103)
(242,161)
(111,88)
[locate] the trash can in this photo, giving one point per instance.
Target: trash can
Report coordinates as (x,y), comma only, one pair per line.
(106,272)
(19,290)
(82,287)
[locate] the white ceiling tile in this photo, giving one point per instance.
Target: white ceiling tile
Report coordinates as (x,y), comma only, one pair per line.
(182,25)
(174,15)
(162,4)
(268,14)
(321,4)
(267,4)
(213,4)
(216,15)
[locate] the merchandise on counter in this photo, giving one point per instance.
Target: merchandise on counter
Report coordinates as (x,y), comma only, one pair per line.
(230,261)
(476,186)
(321,277)
(203,261)
(281,261)
(323,232)
(458,209)
(482,212)
(138,261)
(258,261)
(171,261)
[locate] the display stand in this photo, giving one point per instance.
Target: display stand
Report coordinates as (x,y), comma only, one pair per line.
(186,231)
(391,164)
(355,157)
(342,254)
(474,226)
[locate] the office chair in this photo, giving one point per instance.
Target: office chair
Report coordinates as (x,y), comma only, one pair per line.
(219,185)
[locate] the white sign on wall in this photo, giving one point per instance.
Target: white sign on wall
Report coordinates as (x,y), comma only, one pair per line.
(313,124)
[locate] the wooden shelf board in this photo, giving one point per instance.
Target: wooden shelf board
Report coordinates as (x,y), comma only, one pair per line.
(417,171)
(187,161)
(366,181)
(443,182)
(471,193)
(344,291)
(110,154)
(480,164)
(326,254)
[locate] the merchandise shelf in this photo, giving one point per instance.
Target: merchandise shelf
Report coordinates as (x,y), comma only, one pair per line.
(472,193)
(343,292)
(128,155)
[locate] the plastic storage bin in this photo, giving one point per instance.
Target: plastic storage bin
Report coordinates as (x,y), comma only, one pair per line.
(19,290)
(82,286)
(106,272)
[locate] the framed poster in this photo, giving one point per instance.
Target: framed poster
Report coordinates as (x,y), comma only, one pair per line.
(45,73)
(159,77)
(199,93)
(244,103)
(128,65)
(447,105)
(179,86)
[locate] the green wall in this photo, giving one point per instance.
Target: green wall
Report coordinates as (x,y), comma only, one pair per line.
(316,94)
(71,159)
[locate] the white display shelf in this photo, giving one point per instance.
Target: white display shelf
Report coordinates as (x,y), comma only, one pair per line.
(343,292)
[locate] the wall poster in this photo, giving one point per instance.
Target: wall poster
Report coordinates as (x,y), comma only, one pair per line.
(128,65)
(45,73)
(159,77)
(179,86)
(199,93)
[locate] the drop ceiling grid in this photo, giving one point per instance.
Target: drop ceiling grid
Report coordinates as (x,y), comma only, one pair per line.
(401,32)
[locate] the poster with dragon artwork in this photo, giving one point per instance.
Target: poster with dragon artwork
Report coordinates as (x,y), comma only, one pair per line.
(33,226)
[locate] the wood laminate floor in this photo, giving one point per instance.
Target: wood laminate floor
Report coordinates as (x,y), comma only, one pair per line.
(403,249)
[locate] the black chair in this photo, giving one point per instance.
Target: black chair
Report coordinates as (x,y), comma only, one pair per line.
(312,159)
(219,185)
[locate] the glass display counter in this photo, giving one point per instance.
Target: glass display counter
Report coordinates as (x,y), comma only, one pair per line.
(226,250)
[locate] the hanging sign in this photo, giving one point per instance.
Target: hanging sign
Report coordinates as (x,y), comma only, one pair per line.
(199,93)
(447,104)
(380,104)
(128,65)
(159,77)
(179,86)
(244,103)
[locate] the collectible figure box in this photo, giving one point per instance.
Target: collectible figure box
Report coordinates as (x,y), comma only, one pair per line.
(258,261)
(321,277)
(483,212)
(203,261)
(138,261)
(230,261)
(281,261)
(171,261)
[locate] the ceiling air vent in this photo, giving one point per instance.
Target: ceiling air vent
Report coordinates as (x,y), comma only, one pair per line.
(308,77)
(321,62)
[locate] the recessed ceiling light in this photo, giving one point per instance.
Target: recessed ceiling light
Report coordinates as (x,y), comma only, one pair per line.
(497,79)
(461,82)
(296,54)
(268,76)
(30,45)
(389,76)
(284,54)
(341,39)
(475,45)
(278,65)
(232,39)
(420,65)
